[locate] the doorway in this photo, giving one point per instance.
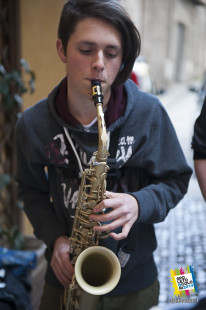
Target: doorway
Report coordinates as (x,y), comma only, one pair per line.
(180,51)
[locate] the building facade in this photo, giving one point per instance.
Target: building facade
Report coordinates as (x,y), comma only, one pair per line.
(173,36)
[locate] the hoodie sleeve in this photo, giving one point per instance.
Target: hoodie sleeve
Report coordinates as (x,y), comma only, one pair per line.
(164,163)
(33,190)
(199,137)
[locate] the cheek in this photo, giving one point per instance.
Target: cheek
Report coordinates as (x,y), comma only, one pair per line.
(113,70)
(75,65)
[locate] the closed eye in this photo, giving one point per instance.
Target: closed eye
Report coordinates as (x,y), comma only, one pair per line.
(86,51)
(111,55)
(112,52)
(86,48)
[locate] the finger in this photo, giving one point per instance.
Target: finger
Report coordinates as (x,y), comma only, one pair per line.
(67,265)
(111,194)
(122,235)
(111,226)
(62,266)
(63,278)
(105,216)
(107,204)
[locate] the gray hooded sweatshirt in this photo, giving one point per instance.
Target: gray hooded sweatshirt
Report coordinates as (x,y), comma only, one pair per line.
(148,155)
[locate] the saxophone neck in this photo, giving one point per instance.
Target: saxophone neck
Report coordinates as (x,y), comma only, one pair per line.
(97,97)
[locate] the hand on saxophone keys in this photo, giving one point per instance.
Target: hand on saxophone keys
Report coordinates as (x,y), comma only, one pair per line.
(124,213)
(60,261)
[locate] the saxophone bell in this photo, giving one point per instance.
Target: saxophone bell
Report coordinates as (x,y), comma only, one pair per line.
(97,270)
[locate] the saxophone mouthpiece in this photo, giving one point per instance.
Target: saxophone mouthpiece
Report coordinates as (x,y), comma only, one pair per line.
(97,95)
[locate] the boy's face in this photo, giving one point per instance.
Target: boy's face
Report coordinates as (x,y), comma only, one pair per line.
(94,52)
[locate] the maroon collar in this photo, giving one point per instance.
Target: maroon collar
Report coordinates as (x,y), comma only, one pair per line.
(115,108)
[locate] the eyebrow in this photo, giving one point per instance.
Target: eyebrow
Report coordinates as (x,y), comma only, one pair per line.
(94,44)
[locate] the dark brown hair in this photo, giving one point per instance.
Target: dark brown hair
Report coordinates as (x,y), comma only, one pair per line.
(112,12)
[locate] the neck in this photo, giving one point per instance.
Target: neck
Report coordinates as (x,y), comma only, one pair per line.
(82,107)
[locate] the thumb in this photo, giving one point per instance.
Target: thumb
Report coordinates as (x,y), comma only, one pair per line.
(111,194)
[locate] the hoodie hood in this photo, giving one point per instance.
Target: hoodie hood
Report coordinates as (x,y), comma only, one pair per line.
(119,98)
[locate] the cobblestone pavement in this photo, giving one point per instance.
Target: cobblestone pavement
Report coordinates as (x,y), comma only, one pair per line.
(182,236)
(181,242)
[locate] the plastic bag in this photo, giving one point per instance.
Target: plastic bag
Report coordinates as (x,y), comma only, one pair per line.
(19,262)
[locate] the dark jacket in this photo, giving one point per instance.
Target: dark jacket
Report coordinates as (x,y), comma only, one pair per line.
(148,153)
(199,136)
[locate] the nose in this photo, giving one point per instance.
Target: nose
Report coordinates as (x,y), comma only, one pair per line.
(98,62)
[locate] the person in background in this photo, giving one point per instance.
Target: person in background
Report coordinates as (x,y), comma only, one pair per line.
(57,136)
(199,149)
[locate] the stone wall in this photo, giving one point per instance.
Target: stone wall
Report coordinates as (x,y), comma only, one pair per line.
(173,36)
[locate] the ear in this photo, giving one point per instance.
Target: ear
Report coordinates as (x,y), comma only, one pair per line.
(60,51)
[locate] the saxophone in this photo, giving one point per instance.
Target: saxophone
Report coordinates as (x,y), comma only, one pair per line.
(97,269)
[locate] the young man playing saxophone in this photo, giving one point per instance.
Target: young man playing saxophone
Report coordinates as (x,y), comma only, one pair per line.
(98,41)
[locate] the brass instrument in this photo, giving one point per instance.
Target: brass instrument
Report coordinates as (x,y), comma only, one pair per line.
(97,269)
